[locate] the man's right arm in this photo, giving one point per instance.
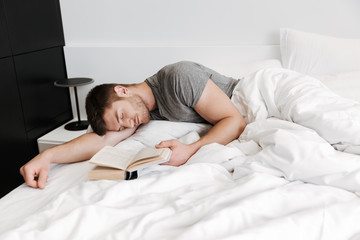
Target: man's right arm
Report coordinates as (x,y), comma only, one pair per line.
(35,172)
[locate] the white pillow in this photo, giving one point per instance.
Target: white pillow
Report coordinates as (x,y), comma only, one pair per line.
(316,54)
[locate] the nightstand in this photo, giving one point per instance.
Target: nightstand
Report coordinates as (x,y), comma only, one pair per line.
(57,136)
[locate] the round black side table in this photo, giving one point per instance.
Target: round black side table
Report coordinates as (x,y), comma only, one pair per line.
(75,82)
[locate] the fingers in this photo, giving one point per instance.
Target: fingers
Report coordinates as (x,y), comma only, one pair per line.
(33,178)
(166,163)
(180,152)
(28,176)
(42,178)
(167,144)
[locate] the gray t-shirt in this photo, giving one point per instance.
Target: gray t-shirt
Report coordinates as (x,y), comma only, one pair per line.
(178,87)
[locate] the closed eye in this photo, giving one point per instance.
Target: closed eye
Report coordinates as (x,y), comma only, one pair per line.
(119,122)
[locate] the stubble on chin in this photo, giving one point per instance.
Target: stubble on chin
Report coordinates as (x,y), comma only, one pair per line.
(144,111)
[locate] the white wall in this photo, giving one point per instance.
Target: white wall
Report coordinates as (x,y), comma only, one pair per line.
(127,41)
(203,22)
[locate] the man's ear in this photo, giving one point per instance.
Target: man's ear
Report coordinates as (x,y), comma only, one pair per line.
(121,91)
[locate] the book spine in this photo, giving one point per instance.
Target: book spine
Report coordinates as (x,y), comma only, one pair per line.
(131,175)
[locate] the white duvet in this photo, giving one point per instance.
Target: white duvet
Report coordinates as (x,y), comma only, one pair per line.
(282,179)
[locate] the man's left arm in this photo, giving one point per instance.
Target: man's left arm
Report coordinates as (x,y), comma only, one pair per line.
(216,108)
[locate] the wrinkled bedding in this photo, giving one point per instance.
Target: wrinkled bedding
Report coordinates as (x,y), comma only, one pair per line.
(294,173)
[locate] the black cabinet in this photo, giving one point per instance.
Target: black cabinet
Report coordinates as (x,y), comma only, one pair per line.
(5,49)
(44,105)
(13,139)
(33,24)
(31,59)
(37,72)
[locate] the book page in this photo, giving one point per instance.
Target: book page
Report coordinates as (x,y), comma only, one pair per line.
(99,172)
(112,157)
(164,156)
(148,152)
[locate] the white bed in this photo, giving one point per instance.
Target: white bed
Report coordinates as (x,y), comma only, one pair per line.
(294,173)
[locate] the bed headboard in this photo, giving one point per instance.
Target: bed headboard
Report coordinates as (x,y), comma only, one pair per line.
(127,41)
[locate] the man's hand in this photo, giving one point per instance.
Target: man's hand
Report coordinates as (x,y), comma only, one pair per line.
(35,172)
(180,152)
(216,108)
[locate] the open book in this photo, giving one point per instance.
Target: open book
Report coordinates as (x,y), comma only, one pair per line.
(114,163)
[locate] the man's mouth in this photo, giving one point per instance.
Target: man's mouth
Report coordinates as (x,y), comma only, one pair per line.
(137,120)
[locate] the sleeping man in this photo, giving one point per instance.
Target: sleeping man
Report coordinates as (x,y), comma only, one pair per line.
(183,91)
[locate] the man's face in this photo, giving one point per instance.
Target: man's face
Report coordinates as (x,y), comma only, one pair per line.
(128,112)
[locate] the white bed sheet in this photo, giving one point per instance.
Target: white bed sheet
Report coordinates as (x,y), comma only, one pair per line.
(282,179)
(25,201)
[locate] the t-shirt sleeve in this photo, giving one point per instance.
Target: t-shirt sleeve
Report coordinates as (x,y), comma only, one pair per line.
(185,81)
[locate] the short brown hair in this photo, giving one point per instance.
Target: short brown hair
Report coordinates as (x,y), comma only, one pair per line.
(97,100)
